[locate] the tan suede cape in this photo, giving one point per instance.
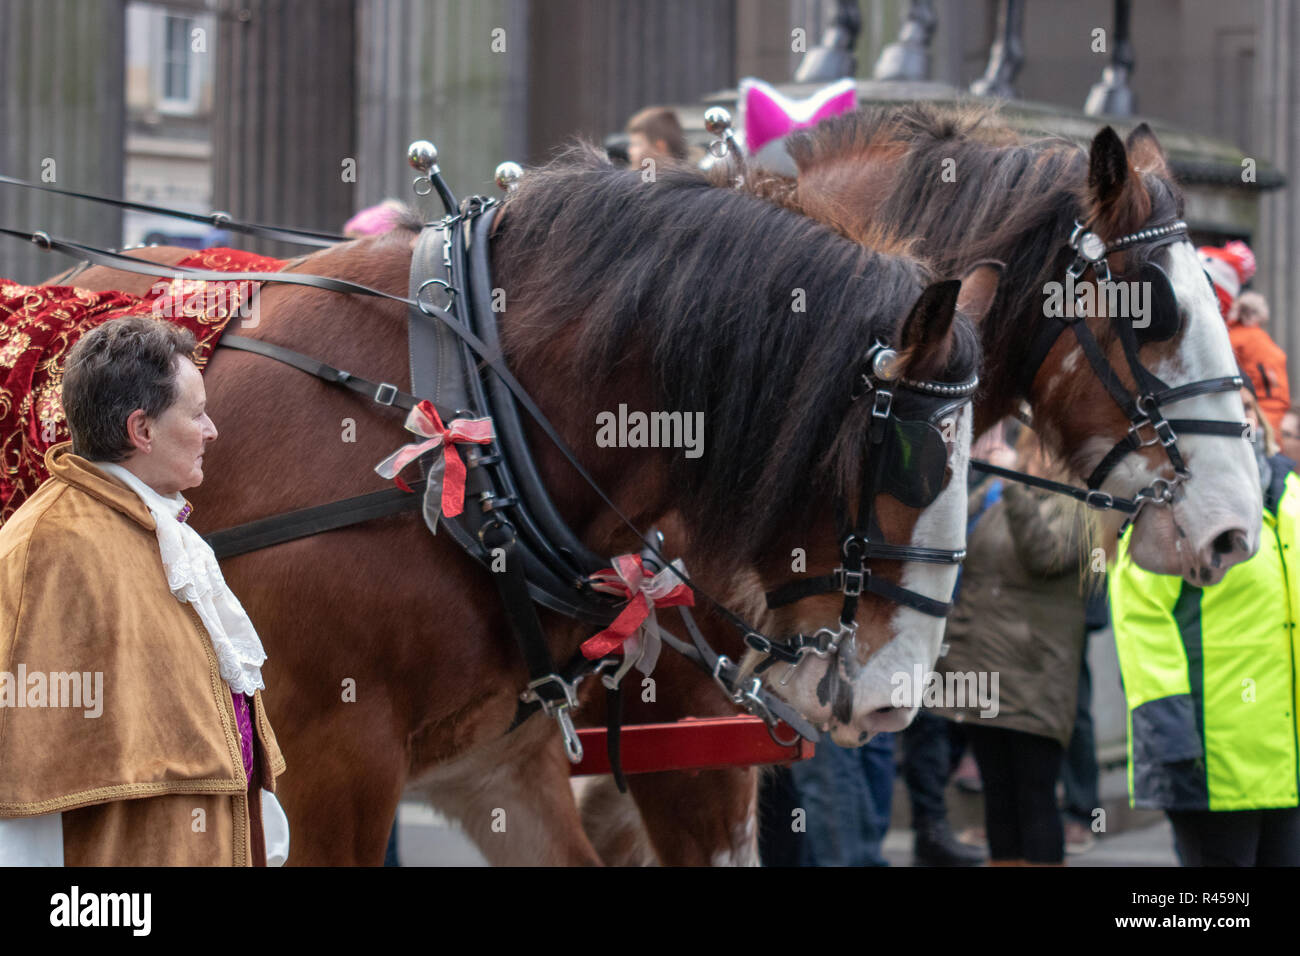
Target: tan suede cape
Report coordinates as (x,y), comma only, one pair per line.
(83,589)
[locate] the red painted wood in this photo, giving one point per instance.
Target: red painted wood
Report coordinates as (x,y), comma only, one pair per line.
(693,744)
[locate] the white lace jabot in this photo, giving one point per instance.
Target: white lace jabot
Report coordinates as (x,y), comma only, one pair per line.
(193,576)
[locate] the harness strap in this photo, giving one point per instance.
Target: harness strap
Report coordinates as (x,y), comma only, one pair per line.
(520,609)
(907,552)
(698,652)
(835,582)
(305,522)
(729,674)
(220,220)
(383,393)
(1131,442)
(1203,387)
(1104,371)
(545,528)
(614,737)
(1100,500)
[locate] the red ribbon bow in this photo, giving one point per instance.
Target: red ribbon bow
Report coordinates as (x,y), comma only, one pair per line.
(644,594)
(423,420)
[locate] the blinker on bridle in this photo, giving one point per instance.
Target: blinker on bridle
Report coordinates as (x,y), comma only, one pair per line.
(906,458)
(1143,409)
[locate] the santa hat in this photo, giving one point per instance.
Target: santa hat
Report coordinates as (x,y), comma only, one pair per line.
(1229,268)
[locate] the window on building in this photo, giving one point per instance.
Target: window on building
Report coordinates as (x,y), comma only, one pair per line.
(179,75)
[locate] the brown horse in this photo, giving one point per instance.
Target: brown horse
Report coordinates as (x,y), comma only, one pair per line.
(1016,202)
(389,662)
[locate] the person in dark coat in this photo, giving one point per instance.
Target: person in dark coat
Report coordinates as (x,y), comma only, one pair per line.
(1016,636)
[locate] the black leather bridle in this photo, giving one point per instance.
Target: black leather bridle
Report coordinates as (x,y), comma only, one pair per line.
(895,443)
(1143,407)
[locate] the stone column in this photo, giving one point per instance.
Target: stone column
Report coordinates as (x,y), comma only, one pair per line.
(285,115)
(63,117)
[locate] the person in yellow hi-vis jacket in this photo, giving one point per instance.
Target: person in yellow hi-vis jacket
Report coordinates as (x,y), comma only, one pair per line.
(1211,682)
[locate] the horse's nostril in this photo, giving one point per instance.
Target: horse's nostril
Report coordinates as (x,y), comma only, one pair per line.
(1229,541)
(883,710)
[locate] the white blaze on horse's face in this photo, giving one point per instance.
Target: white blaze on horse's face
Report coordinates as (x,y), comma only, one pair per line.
(1215,521)
(878,695)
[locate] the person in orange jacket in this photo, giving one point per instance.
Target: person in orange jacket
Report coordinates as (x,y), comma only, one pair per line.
(1259,357)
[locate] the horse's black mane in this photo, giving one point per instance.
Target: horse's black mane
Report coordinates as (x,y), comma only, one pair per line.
(700,284)
(1009,200)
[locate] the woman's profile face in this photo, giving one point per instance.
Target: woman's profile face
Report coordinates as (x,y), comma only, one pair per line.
(179,436)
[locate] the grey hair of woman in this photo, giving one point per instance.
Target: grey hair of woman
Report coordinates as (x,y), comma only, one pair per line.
(114,369)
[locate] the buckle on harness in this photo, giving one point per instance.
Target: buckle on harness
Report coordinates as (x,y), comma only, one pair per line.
(532,693)
(884,399)
(386,394)
(559,710)
(1162,433)
(750,697)
(1099,500)
(850,582)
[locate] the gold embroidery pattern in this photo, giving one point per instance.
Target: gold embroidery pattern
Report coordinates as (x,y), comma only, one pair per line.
(40,324)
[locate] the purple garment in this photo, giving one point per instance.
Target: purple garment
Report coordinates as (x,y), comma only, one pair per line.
(245,723)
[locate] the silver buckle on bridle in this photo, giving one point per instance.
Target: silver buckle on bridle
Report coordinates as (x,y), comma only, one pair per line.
(1162,492)
(824,643)
(851,582)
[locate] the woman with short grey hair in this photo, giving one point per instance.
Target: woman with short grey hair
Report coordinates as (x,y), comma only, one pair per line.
(174,761)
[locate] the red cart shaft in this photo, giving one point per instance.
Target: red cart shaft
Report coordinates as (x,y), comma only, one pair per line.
(693,744)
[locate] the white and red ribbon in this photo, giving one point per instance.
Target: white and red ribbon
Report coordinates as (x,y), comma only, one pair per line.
(644,593)
(447,482)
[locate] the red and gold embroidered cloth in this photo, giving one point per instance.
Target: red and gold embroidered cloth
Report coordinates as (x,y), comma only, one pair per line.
(40,324)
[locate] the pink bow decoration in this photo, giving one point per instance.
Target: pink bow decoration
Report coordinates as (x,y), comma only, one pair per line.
(769,115)
(450,476)
(644,593)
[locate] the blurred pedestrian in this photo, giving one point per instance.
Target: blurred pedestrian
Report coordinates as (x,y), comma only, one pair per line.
(929,754)
(1209,676)
(1080,775)
(1230,268)
(927,765)
(655,133)
(1020,616)
(1259,356)
(847,796)
(1289,435)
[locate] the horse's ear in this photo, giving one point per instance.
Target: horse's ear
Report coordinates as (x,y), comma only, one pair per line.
(1107,167)
(924,341)
(979,286)
(1145,152)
